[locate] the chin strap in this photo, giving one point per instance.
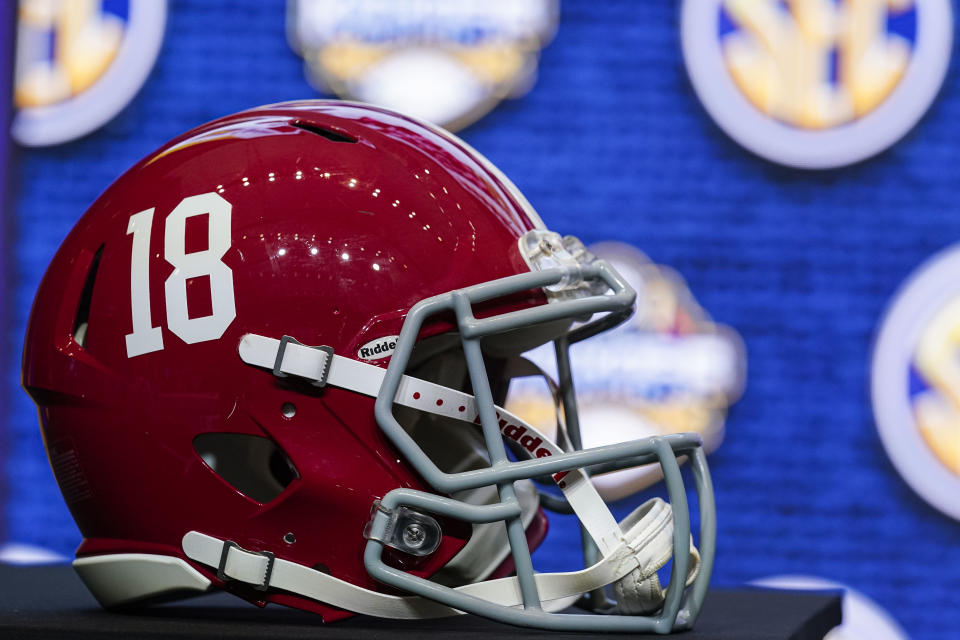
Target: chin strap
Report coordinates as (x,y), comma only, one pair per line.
(646,547)
(637,587)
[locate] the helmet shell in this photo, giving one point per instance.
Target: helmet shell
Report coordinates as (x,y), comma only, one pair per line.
(341,217)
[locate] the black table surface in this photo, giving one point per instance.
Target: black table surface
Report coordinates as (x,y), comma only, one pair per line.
(51,602)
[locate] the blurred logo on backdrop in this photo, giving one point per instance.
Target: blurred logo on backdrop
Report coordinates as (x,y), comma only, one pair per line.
(445,62)
(79,63)
(863,619)
(668,369)
(816,83)
(916,381)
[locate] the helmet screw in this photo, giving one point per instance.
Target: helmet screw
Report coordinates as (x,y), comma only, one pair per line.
(414,535)
(289,538)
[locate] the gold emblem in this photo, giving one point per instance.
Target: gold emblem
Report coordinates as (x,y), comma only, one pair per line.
(936,409)
(85,42)
(816,63)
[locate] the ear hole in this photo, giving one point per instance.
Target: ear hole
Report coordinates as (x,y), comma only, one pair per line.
(82,319)
(329,134)
(253,465)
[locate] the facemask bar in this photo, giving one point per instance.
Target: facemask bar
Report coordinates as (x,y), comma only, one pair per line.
(503,472)
(597,600)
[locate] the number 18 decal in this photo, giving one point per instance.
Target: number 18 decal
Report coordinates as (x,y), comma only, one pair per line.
(147,338)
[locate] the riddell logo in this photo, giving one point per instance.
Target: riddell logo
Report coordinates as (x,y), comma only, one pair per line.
(529,442)
(379,348)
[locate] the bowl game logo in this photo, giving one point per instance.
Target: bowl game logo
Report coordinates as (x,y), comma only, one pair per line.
(669,369)
(79,62)
(445,62)
(816,83)
(915,382)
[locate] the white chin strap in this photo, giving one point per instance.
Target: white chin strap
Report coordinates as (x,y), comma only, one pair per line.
(631,567)
(632,551)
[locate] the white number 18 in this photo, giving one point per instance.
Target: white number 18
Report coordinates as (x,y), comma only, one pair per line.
(209,262)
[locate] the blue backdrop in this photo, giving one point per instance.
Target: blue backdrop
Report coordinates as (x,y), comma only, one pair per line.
(612,143)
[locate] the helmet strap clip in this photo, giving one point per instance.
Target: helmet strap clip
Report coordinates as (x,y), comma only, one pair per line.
(322,371)
(222,574)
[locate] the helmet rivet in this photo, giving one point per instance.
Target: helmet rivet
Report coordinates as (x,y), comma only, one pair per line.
(414,535)
(288,409)
(289,538)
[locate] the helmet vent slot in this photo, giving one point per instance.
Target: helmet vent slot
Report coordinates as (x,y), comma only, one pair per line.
(82,320)
(329,134)
(253,465)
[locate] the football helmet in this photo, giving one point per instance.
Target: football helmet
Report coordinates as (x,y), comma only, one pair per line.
(272,358)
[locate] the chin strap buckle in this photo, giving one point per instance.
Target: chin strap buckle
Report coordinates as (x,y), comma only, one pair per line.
(254,568)
(318,364)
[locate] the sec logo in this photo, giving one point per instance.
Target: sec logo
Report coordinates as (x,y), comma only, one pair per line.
(915,382)
(79,62)
(816,84)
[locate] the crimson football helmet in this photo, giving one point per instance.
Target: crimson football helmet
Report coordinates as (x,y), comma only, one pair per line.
(272,358)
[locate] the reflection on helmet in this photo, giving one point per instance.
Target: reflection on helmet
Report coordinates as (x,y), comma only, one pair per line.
(201,442)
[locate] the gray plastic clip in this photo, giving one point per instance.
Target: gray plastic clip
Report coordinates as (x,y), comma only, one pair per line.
(281,350)
(230,544)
